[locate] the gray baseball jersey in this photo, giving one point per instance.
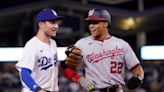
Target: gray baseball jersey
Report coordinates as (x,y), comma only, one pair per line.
(104,62)
(41,59)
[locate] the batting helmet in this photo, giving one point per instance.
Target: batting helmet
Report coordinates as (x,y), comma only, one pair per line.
(98,15)
(47,15)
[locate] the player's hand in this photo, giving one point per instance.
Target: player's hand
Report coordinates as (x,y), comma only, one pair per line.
(133,83)
(42,90)
(86,84)
(73,57)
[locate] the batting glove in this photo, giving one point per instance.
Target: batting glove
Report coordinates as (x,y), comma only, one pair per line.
(86,84)
(133,83)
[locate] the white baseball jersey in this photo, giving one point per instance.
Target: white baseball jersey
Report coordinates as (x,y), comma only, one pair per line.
(41,59)
(104,62)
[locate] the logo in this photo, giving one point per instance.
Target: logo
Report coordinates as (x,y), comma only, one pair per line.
(45,68)
(35,86)
(90,43)
(54,13)
(90,13)
(96,57)
(41,50)
(45,63)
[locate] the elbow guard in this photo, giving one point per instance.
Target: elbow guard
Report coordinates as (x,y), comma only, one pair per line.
(71,75)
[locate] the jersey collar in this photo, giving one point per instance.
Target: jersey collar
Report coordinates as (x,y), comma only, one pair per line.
(108,37)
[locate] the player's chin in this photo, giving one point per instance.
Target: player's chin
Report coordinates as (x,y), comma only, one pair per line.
(94,34)
(53,35)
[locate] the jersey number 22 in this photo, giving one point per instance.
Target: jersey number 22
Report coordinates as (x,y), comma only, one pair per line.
(116,67)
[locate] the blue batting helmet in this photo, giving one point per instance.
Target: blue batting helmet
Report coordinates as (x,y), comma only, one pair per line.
(98,15)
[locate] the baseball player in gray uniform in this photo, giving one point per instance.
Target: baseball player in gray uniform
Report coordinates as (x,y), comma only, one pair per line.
(38,66)
(106,56)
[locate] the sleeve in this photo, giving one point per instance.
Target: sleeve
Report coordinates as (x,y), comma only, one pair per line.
(80,46)
(77,44)
(28,58)
(131,59)
(28,80)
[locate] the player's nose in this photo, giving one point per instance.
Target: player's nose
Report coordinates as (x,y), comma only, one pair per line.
(56,25)
(91,25)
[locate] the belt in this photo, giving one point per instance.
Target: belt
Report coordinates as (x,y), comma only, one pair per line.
(109,89)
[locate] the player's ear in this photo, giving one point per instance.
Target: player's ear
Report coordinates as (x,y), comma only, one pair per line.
(40,24)
(106,24)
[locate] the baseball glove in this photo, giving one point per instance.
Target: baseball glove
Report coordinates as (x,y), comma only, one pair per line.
(73,57)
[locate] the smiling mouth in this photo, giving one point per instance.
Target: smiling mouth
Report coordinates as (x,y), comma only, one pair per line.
(93,30)
(54,30)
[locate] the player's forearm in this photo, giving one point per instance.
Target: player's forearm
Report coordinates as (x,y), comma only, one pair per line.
(27,79)
(137,78)
(138,71)
(42,90)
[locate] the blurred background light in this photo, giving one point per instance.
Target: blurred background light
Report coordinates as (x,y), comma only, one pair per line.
(152,53)
(13,54)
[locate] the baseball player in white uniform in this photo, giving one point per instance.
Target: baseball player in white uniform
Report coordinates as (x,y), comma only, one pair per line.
(38,66)
(105,56)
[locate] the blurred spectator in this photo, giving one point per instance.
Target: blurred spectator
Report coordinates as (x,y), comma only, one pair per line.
(9,81)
